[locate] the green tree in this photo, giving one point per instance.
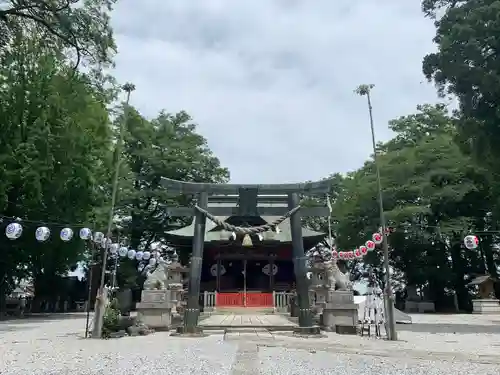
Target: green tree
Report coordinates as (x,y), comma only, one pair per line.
(167,146)
(433,194)
(82,28)
(466,66)
(54,157)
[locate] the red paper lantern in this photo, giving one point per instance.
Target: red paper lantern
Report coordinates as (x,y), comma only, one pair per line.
(341,255)
(370,245)
(363,250)
(334,254)
(357,253)
(350,255)
(378,238)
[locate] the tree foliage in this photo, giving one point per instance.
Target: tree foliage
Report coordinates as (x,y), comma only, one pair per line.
(466,66)
(82,27)
(433,195)
(166,146)
(54,147)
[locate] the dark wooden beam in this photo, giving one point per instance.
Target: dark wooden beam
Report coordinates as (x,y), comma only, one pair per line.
(308,188)
(261,199)
(234,211)
(247,205)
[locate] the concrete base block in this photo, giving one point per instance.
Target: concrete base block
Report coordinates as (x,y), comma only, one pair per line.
(485,306)
(155,315)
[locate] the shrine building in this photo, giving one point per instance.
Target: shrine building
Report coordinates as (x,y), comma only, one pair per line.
(245,270)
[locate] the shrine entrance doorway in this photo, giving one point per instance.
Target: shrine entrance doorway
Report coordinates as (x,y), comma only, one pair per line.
(244,283)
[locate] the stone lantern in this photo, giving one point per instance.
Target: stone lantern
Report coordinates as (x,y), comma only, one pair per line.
(175,285)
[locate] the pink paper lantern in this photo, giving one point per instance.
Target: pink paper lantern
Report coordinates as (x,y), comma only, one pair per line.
(370,245)
(378,238)
(363,250)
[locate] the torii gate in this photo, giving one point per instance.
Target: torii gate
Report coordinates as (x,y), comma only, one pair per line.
(248,207)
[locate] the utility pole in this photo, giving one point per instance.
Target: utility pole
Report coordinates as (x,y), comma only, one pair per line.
(364,90)
(103,292)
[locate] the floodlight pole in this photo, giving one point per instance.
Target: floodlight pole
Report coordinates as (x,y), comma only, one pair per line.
(103,293)
(364,90)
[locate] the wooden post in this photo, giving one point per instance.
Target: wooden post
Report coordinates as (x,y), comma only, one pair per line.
(192,311)
(217,285)
(299,265)
(245,282)
(271,274)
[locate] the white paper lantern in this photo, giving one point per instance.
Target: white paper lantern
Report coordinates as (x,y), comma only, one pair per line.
(140,267)
(14,231)
(146,255)
(85,234)
(213,270)
(122,251)
(42,234)
(471,242)
(267,269)
(98,237)
(357,253)
(139,255)
(341,255)
(152,261)
(131,254)
(113,248)
(378,238)
(66,234)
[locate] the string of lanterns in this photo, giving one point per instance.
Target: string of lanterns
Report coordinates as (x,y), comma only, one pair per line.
(471,242)
(14,231)
(370,245)
(147,259)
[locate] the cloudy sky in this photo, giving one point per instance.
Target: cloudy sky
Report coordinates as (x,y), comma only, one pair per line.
(270,82)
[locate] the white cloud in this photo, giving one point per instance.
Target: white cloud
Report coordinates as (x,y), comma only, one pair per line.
(271,82)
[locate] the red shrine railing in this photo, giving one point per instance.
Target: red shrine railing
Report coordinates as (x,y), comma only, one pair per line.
(242,299)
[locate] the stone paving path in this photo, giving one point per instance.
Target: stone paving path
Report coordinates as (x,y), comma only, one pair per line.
(235,320)
(56,347)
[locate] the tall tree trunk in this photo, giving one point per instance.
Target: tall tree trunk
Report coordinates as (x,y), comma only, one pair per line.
(458,267)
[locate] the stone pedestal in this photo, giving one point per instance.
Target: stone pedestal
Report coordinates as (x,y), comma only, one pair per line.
(340,313)
(419,306)
(155,309)
(485,306)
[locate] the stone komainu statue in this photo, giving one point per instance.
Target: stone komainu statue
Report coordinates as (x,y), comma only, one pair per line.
(157,279)
(340,280)
(334,278)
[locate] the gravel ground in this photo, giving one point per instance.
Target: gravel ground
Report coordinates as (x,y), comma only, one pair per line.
(56,347)
(279,361)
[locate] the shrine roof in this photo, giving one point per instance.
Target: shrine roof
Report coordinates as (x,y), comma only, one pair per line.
(213,231)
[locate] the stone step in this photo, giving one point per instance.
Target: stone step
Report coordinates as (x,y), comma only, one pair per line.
(244,310)
(248,328)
